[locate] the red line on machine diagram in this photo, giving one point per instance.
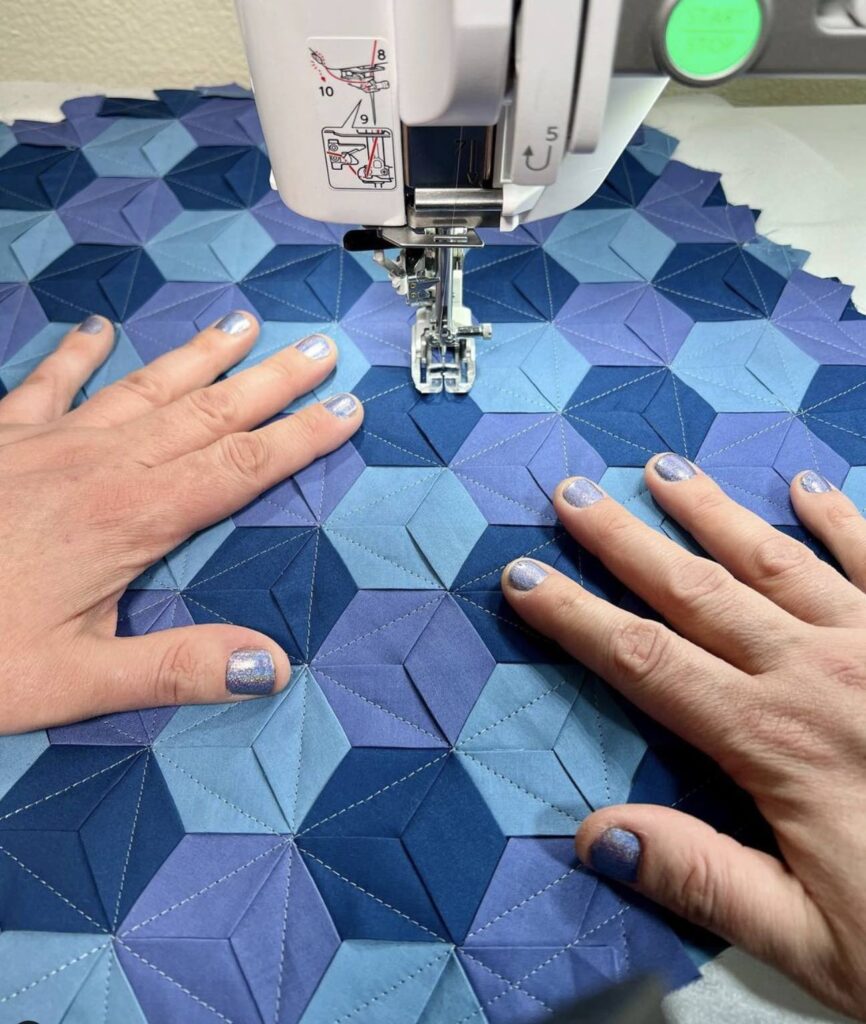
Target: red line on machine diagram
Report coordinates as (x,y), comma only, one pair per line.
(359,151)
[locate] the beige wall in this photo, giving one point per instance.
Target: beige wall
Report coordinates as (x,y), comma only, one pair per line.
(151,43)
(121,42)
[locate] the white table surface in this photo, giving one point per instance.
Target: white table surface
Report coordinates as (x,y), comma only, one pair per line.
(805,168)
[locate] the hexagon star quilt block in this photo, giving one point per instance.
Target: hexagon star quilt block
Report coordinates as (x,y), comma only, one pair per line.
(390,836)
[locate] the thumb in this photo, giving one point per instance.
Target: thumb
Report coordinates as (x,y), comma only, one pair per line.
(747,897)
(203,664)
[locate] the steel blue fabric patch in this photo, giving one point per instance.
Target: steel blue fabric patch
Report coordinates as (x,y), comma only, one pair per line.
(390,839)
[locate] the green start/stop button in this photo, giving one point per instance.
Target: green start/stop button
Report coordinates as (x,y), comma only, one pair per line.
(707,40)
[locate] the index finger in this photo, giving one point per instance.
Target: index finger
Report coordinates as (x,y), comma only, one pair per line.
(678,683)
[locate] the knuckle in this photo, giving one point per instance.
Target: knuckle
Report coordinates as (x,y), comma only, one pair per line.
(217,407)
(306,433)
(779,558)
(842,516)
(694,579)
(180,677)
(566,604)
(143,385)
(780,733)
(710,503)
(844,669)
(638,649)
(612,528)
(699,893)
(281,371)
(245,455)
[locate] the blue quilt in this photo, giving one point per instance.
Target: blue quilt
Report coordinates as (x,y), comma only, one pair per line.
(389,840)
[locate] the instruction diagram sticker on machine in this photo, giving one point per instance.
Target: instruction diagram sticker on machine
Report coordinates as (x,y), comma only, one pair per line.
(357,132)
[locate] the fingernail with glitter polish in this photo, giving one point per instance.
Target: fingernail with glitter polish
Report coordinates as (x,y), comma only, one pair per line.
(250,671)
(314,347)
(616,854)
(91,325)
(525,575)
(814,483)
(234,323)
(672,468)
(341,405)
(582,492)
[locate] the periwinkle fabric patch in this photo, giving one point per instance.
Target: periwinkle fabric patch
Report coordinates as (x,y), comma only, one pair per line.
(390,838)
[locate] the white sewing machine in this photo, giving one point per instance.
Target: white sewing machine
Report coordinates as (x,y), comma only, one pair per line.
(426,119)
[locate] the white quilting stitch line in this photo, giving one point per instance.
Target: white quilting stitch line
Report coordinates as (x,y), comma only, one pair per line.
(341,257)
(697,263)
(284,509)
(210,611)
(67,789)
(764,306)
(836,426)
(490,349)
(518,786)
(265,551)
(235,204)
(306,258)
(713,777)
(497,571)
(522,903)
(54,972)
(372,796)
(320,658)
(686,375)
(372,896)
(834,398)
(710,302)
(251,817)
(118,253)
(400,448)
(125,304)
(544,419)
(377,339)
(611,433)
(177,984)
(51,889)
(640,286)
(390,989)
(293,824)
(172,737)
(666,218)
(520,251)
(511,714)
(281,845)
(114,919)
(380,707)
(256,287)
(312,594)
(544,259)
(604,765)
(680,416)
(758,497)
(106,990)
(511,986)
(619,387)
(380,500)
(783,421)
(279,1000)
(535,316)
(387,391)
(544,517)
(428,581)
(652,359)
(514,625)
